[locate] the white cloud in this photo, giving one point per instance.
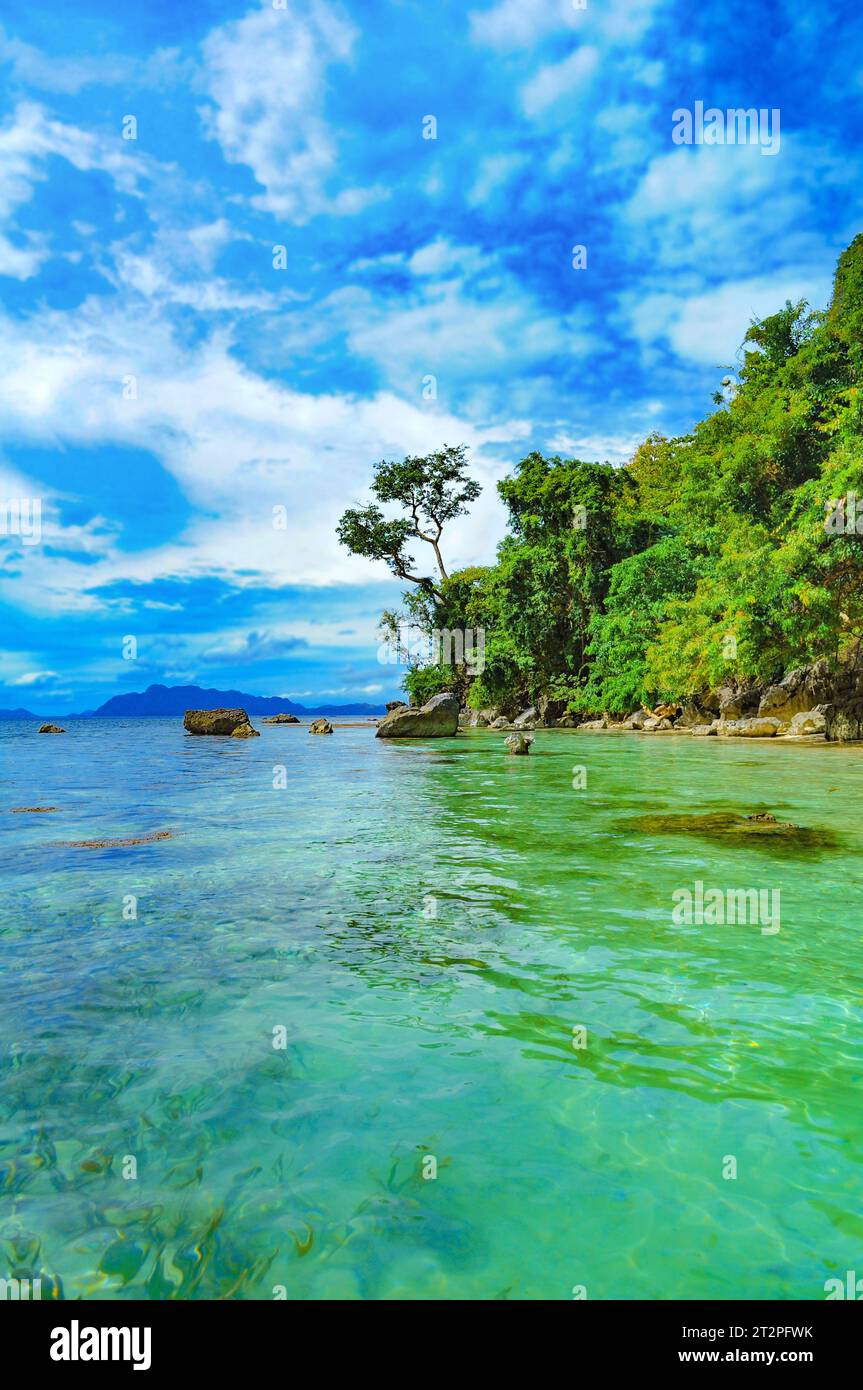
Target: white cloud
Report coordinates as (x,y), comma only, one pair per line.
(709,327)
(267,75)
(519,23)
(237,444)
(557,80)
(27,140)
(715,207)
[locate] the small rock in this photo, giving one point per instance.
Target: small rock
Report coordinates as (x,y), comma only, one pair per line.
(51,729)
(518,743)
(499,723)
(320,726)
(702,730)
(280,719)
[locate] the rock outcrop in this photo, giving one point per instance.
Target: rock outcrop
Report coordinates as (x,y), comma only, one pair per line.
(437,718)
(229,723)
(518,743)
(320,726)
(51,729)
(280,719)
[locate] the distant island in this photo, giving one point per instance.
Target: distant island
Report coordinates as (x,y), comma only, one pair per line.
(176,699)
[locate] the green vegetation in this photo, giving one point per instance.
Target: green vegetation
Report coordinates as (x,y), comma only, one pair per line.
(705,559)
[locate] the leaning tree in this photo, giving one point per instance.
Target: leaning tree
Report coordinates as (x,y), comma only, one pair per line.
(431,491)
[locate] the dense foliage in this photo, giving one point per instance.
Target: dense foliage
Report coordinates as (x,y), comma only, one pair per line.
(706,559)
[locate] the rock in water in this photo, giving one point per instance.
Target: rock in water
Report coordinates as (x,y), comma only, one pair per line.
(234,723)
(320,726)
(51,729)
(518,743)
(438,718)
(280,719)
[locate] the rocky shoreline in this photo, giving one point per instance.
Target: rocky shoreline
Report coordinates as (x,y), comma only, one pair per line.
(810,704)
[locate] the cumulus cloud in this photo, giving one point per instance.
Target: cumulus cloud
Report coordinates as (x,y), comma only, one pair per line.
(266,76)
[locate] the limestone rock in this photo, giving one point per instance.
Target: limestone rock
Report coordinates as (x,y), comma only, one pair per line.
(51,729)
(280,719)
(438,718)
(808,722)
(518,743)
(320,726)
(748,728)
(527,719)
(233,723)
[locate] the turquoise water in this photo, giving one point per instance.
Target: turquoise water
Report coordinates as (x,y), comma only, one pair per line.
(428,922)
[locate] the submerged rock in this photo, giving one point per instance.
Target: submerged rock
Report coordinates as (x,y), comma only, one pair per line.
(518,743)
(31,810)
(759,829)
(232,723)
(51,729)
(320,726)
(438,718)
(280,719)
(151,839)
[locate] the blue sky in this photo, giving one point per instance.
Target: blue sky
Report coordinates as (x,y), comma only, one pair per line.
(164,386)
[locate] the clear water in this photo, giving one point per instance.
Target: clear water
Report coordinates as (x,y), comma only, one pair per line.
(410,1034)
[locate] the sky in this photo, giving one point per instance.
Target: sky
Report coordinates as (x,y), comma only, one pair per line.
(236,270)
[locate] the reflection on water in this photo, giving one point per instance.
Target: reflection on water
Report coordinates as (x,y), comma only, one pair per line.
(425,925)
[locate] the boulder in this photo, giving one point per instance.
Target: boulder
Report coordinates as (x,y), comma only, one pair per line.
(808,722)
(320,726)
(499,723)
(280,719)
(551,711)
(666,711)
(843,723)
(567,721)
(649,723)
(637,718)
(593,724)
(748,728)
(692,716)
(527,719)
(233,723)
(701,730)
(51,729)
(518,743)
(438,718)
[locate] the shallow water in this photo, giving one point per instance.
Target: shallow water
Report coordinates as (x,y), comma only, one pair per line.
(428,922)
